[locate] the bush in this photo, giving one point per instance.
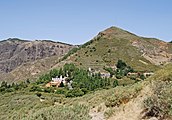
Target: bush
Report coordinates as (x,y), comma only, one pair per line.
(142,77)
(2,89)
(49,90)
(74,50)
(118,76)
(160,103)
(10,90)
(38,94)
(60,91)
(35,88)
(115,83)
(84,90)
(112,102)
(74,93)
(120,64)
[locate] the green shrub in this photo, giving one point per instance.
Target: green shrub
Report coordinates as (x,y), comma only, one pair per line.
(35,88)
(112,102)
(115,83)
(120,64)
(74,93)
(74,50)
(38,94)
(60,91)
(49,90)
(118,76)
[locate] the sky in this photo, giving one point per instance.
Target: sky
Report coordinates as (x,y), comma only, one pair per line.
(78,21)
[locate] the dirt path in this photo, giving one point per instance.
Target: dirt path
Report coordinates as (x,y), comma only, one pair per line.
(132,110)
(97,113)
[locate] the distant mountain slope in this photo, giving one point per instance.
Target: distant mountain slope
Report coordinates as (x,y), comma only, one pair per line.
(15,52)
(114,43)
(30,70)
(22,59)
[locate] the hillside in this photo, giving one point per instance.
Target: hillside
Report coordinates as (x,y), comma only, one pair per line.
(22,58)
(114,43)
(146,100)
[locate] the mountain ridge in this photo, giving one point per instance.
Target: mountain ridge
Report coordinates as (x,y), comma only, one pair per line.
(104,50)
(148,51)
(14,52)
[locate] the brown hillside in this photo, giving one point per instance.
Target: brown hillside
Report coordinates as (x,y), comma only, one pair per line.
(114,44)
(20,59)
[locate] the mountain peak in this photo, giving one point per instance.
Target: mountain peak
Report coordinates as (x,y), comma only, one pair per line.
(115,32)
(14,40)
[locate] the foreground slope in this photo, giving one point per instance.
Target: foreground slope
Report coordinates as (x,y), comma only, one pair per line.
(153,102)
(114,44)
(145,100)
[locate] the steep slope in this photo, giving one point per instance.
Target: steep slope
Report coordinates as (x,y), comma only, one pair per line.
(30,70)
(21,58)
(114,43)
(153,102)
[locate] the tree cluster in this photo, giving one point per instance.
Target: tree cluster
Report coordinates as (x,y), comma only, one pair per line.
(80,79)
(122,70)
(5,87)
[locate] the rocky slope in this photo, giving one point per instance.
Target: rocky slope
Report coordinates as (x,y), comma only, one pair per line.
(22,59)
(15,52)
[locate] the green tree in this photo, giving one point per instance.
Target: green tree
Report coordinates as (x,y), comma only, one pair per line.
(120,64)
(111,71)
(4,84)
(60,72)
(142,77)
(53,73)
(115,83)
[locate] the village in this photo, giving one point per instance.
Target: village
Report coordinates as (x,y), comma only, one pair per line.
(63,81)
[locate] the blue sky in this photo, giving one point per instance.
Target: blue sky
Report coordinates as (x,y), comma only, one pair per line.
(77,21)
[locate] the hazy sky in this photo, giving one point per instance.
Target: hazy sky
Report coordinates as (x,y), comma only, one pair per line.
(77,21)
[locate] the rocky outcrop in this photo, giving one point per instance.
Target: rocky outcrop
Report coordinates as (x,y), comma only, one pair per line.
(15,52)
(156,51)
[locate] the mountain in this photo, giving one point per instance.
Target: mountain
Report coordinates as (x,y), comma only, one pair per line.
(20,60)
(15,53)
(113,44)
